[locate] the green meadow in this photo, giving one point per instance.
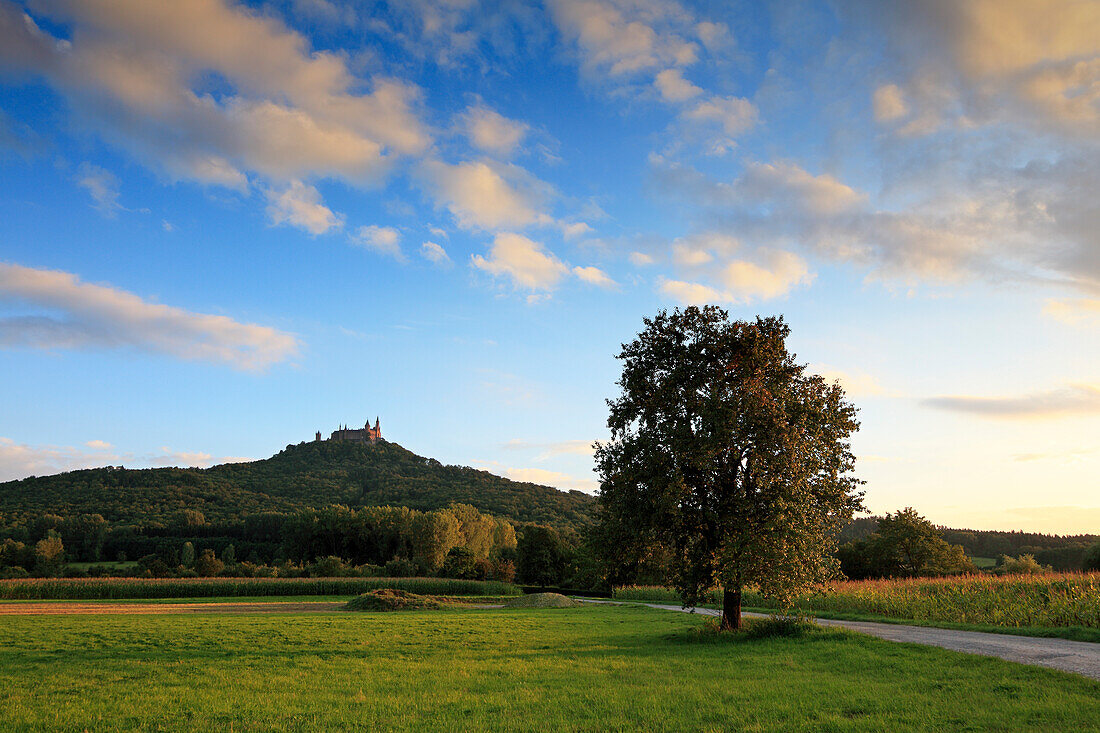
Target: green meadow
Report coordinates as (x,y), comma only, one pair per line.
(590,668)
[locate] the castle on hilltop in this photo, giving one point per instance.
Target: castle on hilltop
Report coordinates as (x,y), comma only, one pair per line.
(366,434)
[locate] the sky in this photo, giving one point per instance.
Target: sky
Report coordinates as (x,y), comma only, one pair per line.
(225,226)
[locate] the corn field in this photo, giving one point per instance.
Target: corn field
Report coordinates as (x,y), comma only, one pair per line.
(1053,600)
(103,588)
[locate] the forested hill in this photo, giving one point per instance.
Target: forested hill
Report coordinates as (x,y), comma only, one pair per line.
(314,474)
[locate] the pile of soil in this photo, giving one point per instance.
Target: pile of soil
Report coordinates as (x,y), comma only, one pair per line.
(542,600)
(390,599)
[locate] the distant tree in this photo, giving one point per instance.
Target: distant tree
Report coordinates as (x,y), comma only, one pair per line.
(1023,565)
(49,553)
(502,570)
(207,565)
(729,455)
(154,566)
(542,556)
(433,536)
(187,555)
(189,518)
(461,563)
(16,554)
(1091,562)
(909,546)
(229,555)
(905,545)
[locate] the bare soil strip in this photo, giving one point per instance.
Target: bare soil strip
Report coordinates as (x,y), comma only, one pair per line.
(1080,657)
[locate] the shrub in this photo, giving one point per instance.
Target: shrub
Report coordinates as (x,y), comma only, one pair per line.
(399,567)
(773,626)
(328,567)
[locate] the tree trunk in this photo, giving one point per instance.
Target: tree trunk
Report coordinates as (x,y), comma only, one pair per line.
(731,608)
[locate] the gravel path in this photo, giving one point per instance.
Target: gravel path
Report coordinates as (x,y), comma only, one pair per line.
(1081,657)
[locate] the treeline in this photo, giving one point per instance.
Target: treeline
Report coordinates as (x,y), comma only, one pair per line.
(455,542)
(307,475)
(1061,552)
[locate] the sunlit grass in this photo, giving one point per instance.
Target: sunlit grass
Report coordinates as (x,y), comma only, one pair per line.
(590,668)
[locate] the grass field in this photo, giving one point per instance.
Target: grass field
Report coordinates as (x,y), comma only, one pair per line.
(1066,600)
(590,668)
(104,588)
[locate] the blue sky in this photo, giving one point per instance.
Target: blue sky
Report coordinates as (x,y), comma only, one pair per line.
(225,226)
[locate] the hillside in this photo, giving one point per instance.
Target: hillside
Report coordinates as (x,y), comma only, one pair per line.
(307,475)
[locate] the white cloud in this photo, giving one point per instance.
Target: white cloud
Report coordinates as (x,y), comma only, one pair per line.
(595,276)
(622,38)
(685,254)
(19,460)
(547,451)
(641,259)
(733,114)
(1035,62)
(184,459)
(134,70)
(674,87)
(784,182)
(1076,399)
(491,132)
(557,479)
(889,103)
(299,204)
(771,274)
(484,195)
(692,293)
(571,230)
(1074,311)
(72,314)
(383,240)
(1032,218)
(434,253)
(776,274)
(102,185)
(524,261)
(856,383)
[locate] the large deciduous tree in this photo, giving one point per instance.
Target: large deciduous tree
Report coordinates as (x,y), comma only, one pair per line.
(730,455)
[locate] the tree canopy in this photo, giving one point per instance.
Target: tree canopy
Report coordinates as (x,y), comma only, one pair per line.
(905,545)
(728,456)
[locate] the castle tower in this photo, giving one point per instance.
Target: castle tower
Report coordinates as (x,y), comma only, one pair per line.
(318,438)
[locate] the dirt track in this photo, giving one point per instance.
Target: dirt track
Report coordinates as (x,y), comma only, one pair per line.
(24,609)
